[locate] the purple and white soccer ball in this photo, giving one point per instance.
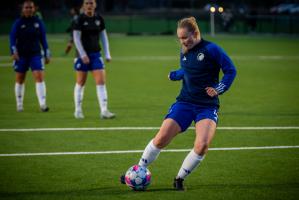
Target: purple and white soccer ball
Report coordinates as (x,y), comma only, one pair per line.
(138,177)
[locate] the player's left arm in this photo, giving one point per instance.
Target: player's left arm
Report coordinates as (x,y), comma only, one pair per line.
(227,67)
(43,40)
(104,39)
(105,43)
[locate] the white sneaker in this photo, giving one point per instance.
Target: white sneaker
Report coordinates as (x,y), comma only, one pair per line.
(107,115)
(20,108)
(78,114)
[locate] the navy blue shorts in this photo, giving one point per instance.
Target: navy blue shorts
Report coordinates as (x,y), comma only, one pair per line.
(33,62)
(96,62)
(184,113)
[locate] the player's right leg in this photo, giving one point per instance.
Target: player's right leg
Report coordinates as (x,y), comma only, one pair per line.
(167,132)
(169,129)
(81,77)
(20,66)
(20,90)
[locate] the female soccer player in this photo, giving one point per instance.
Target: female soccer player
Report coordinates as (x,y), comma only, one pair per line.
(27,33)
(86,31)
(200,62)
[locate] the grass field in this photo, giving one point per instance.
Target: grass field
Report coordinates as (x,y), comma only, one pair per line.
(264,94)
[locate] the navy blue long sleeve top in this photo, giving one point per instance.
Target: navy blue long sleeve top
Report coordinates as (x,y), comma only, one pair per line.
(200,68)
(26,36)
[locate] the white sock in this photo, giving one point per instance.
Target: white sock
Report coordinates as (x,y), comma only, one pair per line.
(41,93)
(191,161)
(19,92)
(102,97)
(78,97)
(150,154)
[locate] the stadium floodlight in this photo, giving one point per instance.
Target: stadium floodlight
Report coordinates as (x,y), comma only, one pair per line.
(220,9)
(212,20)
(213,10)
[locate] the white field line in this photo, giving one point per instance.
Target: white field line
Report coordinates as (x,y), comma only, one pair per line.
(6,64)
(140,128)
(140,151)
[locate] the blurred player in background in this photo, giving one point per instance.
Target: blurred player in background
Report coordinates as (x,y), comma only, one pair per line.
(27,33)
(87,30)
(201,62)
(74,12)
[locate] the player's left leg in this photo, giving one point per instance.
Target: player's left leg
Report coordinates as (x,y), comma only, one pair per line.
(40,87)
(205,131)
(100,80)
(37,68)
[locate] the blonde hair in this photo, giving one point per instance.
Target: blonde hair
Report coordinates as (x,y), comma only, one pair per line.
(190,24)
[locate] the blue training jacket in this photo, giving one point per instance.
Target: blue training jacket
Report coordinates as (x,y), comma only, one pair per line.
(26,36)
(200,68)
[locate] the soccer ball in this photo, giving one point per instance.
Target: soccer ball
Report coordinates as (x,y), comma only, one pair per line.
(138,177)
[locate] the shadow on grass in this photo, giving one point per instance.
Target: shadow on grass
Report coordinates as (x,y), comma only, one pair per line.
(117,192)
(94,192)
(245,186)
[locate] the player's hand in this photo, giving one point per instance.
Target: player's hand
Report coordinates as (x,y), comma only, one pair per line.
(68,48)
(15,56)
(176,75)
(85,60)
(211,91)
(172,75)
(47,60)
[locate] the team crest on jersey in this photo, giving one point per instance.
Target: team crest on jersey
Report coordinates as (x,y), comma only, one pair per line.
(23,26)
(184,58)
(85,23)
(36,25)
(200,56)
(97,22)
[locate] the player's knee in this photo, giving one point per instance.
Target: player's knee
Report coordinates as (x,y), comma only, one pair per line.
(39,79)
(81,82)
(159,142)
(201,148)
(100,82)
(20,80)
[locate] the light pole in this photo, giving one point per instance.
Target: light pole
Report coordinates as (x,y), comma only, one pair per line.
(212,18)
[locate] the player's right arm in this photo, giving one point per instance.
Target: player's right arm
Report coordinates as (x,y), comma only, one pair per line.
(78,43)
(79,46)
(176,75)
(13,39)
